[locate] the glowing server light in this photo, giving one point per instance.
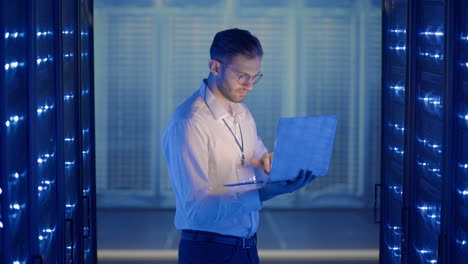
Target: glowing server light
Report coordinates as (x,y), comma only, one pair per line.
(69,164)
(423,208)
(423,163)
(397,88)
(13,65)
(429,33)
(398,31)
(1,224)
(432,55)
(397,47)
(1,191)
(393,248)
(15,206)
(69,139)
(44,108)
(68,97)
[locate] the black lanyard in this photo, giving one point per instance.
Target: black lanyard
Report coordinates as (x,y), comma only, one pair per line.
(241,145)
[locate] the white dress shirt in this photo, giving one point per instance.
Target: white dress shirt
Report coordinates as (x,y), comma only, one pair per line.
(202,156)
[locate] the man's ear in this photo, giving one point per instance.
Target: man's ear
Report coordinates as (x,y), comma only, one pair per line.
(215,66)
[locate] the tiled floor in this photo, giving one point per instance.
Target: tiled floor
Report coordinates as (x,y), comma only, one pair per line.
(318,229)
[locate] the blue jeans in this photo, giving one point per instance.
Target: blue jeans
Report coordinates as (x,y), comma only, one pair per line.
(209,252)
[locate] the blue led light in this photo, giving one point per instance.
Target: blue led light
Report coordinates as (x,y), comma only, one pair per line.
(462,192)
(67,55)
(430,212)
(464,38)
(431,100)
(69,164)
(396,150)
(436,56)
(1,191)
(13,35)
(13,120)
(40,61)
(433,146)
(43,33)
(15,206)
(44,157)
(429,33)
(44,108)
(397,47)
(396,189)
(67,32)
(13,65)
(69,139)
(1,224)
(68,97)
(397,88)
(398,31)
(393,248)
(423,251)
(397,127)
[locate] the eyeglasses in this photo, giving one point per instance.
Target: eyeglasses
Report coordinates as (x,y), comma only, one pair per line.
(245,78)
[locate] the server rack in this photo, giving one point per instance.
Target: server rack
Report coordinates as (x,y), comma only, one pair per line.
(393,115)
(423,217)
(47,189)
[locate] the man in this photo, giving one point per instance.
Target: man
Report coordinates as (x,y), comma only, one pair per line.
(212,141)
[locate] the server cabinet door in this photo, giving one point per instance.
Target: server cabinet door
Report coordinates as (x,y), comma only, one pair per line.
(14,197)
(458,251)
(393,147)
(427,177)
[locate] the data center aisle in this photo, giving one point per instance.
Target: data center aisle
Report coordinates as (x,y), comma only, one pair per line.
(124,230)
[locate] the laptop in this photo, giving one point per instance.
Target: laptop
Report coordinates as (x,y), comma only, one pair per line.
(301,143)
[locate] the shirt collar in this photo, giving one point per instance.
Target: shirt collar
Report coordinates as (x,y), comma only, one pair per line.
(217,109)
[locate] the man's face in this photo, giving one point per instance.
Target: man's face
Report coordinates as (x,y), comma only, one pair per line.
(228,81)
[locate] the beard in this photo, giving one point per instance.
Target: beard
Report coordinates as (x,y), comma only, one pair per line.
(228,91)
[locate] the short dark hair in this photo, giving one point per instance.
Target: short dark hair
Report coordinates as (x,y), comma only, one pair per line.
(231,42)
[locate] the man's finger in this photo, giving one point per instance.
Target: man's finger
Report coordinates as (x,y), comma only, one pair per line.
(257,163)
(267,163)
